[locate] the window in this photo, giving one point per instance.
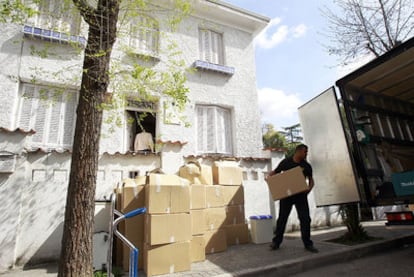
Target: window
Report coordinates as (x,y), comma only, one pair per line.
(60,16)
(144,35)
(211,46)
(51,113)
(213,130)
(140,117)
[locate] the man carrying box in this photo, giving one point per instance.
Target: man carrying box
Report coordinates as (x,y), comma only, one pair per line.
(300,200)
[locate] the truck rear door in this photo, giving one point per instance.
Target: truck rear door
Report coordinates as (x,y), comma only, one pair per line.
(328,153)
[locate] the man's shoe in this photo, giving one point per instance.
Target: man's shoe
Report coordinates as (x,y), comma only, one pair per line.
(312,249)
(273,246)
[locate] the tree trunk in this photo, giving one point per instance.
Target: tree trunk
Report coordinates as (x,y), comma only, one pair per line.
(77,251)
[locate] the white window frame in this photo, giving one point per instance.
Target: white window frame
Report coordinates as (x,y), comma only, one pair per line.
(213,130)
(51,113)
(56,17)
(144,35)
(211,46)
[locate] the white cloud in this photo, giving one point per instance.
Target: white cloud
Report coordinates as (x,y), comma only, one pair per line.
(278,108)
(274,35)
(299,31)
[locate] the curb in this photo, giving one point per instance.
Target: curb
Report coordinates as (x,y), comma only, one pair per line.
(299,265)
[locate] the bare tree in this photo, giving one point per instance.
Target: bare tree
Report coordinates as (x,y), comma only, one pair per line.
(361,27)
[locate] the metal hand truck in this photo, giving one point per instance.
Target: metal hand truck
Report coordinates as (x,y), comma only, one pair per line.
(133,254)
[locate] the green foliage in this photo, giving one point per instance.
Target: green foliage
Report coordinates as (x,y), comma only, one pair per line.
(272,138)
(350,217)
(15,11)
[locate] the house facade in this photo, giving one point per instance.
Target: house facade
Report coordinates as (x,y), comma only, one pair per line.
(40,77)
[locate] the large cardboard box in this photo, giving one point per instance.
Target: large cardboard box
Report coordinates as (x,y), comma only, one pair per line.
(198,197)
(233,195)
(235,215)
(197,173)
(214,196)
(167,228)
(287,183)
(216,241)
(197,249)
(167,258)
(198,221)
(227,173)
(132,194)
(167,194)
(216,217)
(237,234)
(134,232)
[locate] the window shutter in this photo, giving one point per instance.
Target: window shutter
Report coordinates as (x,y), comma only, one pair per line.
(211,131)
(55,118)
(201,122)
(40,120)
(27,111)
(69,121)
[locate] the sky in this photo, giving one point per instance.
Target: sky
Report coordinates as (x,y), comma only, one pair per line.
(292,65)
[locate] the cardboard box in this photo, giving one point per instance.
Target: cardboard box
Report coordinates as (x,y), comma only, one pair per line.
(197,173)
(198,197)
(214,196)
(126,256)
(287,183)
(227,173)
(235,215)
(167,258)
(167,228)
(130,196)
(134,231)
(133,194)
(216,241)
(237,234)
(197,249)
(198,221)
(216,218)
(233,195)
(261,228)
(167,194)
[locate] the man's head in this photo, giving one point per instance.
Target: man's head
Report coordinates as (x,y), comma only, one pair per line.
(301,152)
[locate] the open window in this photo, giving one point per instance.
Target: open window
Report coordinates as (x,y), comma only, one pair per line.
(141,126)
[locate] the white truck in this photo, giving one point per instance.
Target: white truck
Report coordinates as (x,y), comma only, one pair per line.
(361,145)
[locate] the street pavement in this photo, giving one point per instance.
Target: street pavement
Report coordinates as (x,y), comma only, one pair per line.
(257,260)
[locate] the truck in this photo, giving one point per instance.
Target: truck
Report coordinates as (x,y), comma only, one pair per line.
(360,134)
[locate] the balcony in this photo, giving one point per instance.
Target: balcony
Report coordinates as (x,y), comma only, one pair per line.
(53,36)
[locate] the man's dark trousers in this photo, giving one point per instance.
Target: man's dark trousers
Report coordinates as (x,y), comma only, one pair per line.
(302,208)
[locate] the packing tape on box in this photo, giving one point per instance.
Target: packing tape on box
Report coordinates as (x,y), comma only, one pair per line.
(172,239)
(237,241)
(168,210)
(218,191)
(289,192)
(212,250)
(172,268)
(158,182)
(135,191)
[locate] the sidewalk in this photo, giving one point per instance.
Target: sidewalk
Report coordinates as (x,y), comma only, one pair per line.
(291,258)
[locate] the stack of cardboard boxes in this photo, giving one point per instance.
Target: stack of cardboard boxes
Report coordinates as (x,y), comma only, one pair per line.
(197,213)
(228,176)
(167,225)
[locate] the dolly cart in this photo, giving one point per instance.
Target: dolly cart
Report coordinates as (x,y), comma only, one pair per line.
(133,254)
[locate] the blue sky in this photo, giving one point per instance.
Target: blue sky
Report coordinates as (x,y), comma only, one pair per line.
(292,66)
